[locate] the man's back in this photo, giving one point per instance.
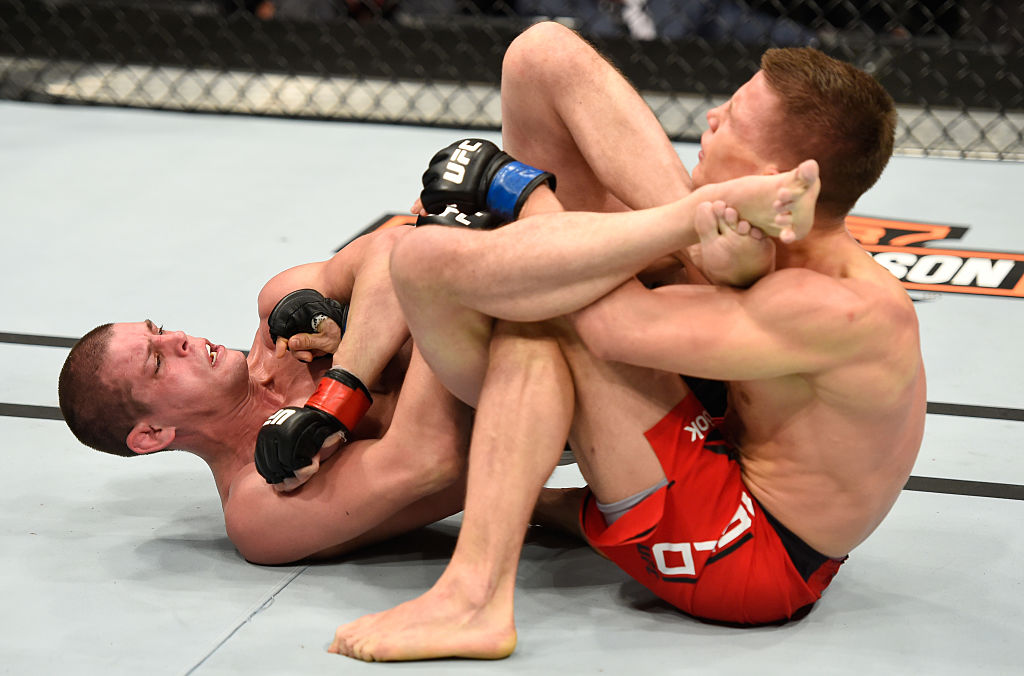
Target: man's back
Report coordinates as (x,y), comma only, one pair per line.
(828,447)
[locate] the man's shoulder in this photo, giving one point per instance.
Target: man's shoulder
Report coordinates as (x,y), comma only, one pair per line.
(863,292)
(883,297)
(839,318)
(305,276)
(803,294)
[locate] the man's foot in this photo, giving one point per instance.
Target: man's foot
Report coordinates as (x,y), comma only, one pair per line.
(794,204)
(443,622)
(781,205)
(730,251)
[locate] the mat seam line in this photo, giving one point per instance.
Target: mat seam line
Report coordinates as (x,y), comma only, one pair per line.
(259,608)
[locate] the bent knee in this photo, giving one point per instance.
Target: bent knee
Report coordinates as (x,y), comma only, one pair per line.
(412,261)
(547,42)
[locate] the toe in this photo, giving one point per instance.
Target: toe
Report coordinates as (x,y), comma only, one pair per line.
(808,172)
(731,217)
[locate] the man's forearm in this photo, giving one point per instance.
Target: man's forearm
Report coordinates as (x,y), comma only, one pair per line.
(375,329)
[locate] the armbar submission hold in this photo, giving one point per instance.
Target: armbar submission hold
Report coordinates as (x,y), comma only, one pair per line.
(475,175)
(302,311)
(291,436)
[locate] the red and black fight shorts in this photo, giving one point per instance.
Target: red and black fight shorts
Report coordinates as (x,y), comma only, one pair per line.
(702,543)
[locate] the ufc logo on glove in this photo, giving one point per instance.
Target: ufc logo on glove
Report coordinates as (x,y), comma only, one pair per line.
(455,170)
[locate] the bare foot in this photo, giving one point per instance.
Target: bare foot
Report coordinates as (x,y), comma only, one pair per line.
(443,622)
(730,251)
(794,203)
(781,205)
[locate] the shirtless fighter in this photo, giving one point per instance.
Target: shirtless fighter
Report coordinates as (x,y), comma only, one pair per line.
(133,389)
(743,520)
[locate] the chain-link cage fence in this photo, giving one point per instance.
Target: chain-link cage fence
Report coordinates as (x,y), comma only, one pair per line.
(955,68)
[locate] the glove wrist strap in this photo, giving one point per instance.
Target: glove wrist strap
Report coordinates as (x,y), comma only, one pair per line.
(511,186)
(343,396)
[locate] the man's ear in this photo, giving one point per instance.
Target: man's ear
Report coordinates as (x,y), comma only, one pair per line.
(145,438)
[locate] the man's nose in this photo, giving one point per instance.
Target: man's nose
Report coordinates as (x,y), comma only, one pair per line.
(712,116)
(177,341)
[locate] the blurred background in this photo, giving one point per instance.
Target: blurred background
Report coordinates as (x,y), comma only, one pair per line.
(955,67)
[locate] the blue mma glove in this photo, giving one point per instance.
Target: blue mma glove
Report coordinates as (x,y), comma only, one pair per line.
(475,175)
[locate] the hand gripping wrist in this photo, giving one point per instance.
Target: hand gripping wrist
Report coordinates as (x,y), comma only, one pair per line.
(342,396)
(301,311)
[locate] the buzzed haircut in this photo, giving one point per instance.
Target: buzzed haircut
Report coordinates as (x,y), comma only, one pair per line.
(835,113)
(99,412)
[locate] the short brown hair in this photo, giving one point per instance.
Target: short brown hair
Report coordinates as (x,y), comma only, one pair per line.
(834,113)
(100,413)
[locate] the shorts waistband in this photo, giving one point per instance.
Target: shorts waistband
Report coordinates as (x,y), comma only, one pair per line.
(806,559)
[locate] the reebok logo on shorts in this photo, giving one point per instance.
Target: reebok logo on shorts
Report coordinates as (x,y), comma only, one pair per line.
(699,426)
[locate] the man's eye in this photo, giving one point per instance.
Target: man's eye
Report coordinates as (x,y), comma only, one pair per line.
(160,331)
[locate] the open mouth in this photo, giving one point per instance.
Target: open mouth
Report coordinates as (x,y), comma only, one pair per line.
(211,353)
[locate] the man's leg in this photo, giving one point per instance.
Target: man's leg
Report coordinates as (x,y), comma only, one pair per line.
(525,404)
(451,281)
(523,416)
(615,405)
(521,426)
(567,110)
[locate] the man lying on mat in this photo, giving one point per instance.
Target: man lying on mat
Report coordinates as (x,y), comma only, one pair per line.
(134,389)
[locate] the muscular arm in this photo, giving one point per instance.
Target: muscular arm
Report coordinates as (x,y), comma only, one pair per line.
(374,489)
(358,275)
(357,497)
(790,322)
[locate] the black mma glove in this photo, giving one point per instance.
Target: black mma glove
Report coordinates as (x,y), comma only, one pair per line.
(302,311)
(481,220)
(475,175)
(291,437)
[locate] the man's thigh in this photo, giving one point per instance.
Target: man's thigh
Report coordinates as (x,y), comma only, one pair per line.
(539,138)
(534,130)
(567,110)
(615,405)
